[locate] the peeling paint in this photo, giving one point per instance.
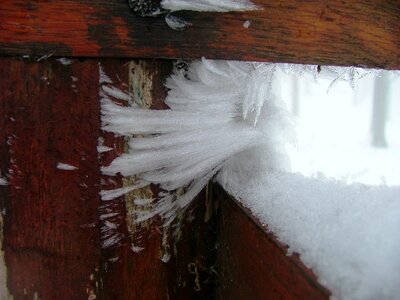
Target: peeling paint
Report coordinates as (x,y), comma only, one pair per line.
(140,87)
(132,208)
(95,284)
(140,84)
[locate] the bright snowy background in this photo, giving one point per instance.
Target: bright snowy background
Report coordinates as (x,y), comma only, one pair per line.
(336,209)
(336,127)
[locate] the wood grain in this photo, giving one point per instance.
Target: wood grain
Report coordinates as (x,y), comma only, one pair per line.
(253,265)
(50,232)
(54,222)
(359,32)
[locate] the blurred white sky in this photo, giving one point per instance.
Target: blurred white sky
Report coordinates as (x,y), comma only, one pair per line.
(334,129)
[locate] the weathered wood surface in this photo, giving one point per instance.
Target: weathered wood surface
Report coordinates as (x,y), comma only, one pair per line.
(54,242)
(50,250)
(359,32)
(252,264)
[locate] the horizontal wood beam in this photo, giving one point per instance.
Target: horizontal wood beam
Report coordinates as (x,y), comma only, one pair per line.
(359,32)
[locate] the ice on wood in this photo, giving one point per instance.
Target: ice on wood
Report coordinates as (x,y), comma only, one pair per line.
(218,109)
(66,167)
(176,23)
(115,92)
(103,77)
(3,181)
(64,61)
(101,147)
(247,24)
(209,5)
(226,119)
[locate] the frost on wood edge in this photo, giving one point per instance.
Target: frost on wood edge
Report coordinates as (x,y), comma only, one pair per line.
(226,121)
(218,109)
(222,113)
(209,5)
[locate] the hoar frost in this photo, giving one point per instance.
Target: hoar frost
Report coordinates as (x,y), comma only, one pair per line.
(226,121)
(218,109)
(209,5)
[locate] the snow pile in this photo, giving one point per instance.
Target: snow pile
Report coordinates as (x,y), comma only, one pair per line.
(348,234)
(209,5)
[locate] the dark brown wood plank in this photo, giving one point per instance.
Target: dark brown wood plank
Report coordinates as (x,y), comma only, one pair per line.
(50,233)
(252,264)
(360,32)
(54,238)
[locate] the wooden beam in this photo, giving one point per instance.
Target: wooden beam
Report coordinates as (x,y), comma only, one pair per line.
(50,115)
(252,264)
(360,32)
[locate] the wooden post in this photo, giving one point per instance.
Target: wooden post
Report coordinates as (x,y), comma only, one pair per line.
(56,240)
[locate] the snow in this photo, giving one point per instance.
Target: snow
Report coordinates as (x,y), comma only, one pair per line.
(209,5)
(348,234)
(345,231)
(111,241)
(176,23)
(66,167)
(136,249)
(115,92)
(101,148)
(3,181)
(333,126)
(103,77)
(227,119)
(64,61)
(247,24)
(214,114)
(107,195)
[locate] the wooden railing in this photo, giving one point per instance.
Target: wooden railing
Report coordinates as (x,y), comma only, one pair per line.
(49,113)
(359,32)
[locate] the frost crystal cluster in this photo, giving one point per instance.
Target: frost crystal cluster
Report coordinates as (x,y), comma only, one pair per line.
(226,121)
(224,115)
(221,114)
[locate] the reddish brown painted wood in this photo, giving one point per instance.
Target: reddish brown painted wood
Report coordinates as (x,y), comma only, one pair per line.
(253,265)
(360,32)
(3,140)
(50,233)
(54,246)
